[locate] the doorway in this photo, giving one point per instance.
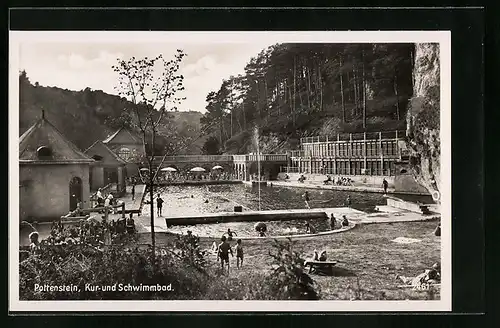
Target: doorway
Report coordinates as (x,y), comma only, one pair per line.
(75,192)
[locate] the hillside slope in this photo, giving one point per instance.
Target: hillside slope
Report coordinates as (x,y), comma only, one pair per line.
(86,116)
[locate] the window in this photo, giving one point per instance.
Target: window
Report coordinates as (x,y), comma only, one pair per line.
(97,157)
(124,153)
(44,152)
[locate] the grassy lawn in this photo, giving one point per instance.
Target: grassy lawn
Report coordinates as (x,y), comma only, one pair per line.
(368,260)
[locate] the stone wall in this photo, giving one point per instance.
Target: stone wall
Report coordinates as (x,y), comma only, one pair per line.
(97,178)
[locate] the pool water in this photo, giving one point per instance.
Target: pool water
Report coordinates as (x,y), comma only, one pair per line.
(195,200)
(246,229)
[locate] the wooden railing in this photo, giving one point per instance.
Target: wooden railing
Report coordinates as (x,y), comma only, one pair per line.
(261,157)
(383,135)
(221,158)
(194,158)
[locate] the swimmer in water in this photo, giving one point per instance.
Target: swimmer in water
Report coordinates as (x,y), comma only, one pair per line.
(230,234)
(309,228)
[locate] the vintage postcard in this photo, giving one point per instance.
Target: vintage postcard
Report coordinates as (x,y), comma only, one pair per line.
(230,171)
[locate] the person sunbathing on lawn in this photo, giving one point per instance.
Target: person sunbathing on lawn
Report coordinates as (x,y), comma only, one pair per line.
(428,277)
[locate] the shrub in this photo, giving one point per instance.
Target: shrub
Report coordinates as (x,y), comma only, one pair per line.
(190,253)
(80,258)
(288,280)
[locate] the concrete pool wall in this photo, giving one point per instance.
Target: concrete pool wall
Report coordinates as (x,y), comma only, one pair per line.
(253,216)
(290,236)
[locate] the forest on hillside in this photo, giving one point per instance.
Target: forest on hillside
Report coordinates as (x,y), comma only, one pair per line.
(89,115)
(293,90)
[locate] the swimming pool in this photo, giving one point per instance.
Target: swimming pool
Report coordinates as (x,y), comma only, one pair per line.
(195,200)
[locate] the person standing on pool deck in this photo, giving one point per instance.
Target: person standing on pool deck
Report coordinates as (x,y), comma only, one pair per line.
(159,204)
(223,252)
(333,222)
(133,191)
(306,199)
(385,184)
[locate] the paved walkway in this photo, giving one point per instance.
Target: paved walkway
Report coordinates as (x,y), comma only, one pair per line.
(319,185)
(133,204)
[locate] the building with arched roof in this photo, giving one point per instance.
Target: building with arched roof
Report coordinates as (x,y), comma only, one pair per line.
(53,173)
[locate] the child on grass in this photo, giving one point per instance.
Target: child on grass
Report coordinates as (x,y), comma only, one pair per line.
(239,254)
(223,252)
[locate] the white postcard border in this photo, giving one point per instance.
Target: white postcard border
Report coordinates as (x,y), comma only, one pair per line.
(441,37)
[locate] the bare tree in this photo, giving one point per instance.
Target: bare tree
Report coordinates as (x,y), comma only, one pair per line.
(152,86)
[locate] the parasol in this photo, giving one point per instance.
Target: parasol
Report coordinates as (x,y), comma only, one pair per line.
(169,169)
(197,169)
(217,167)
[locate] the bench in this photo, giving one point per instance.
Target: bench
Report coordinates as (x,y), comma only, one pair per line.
(319,265)
(425,209)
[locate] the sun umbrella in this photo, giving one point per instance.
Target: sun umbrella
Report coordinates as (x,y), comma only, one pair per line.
(144,169)
(197,169)
(217,167)
(168,169)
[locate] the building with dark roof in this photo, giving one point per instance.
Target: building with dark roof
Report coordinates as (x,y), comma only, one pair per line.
(108,167)
(53,173)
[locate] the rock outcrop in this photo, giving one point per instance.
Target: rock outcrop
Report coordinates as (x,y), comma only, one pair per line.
(423,117)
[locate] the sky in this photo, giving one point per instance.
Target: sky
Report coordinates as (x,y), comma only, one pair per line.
(78,65)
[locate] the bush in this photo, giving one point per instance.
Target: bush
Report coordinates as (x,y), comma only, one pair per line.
(80,257)
(288,280)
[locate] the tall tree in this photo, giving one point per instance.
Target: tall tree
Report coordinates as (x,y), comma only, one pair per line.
(342,88)
(152,87)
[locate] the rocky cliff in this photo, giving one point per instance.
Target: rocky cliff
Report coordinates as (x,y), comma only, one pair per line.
(423,117)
